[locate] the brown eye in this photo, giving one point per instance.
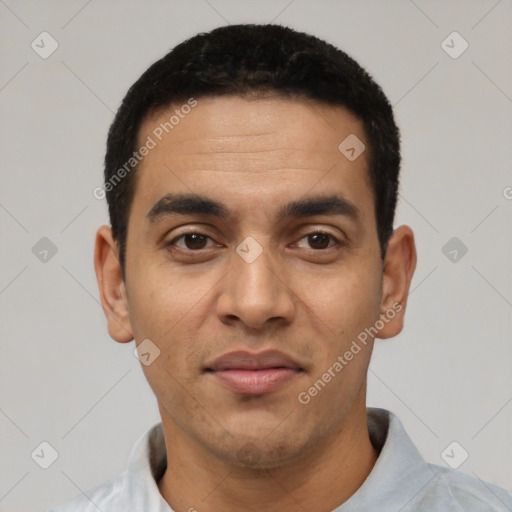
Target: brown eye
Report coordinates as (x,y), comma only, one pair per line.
(192,241)
(195,241)
(319,240)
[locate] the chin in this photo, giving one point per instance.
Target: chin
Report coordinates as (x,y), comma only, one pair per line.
(260,456)
(262,451)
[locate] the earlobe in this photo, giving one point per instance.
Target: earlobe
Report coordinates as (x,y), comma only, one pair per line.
(399,266)
(111,286)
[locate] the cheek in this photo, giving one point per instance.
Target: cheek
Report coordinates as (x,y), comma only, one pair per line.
(347,301)
(159,300)
(347,305)
(174,372)
(168,306)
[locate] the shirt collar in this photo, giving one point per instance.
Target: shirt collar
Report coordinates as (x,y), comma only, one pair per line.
(399,467)
(147,464)
(400,472)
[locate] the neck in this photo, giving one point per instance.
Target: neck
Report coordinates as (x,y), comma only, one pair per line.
(322,480)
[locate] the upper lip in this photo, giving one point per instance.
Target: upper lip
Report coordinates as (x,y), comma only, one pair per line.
(244,360)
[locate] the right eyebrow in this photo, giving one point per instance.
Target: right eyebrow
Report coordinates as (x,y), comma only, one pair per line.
(186,204)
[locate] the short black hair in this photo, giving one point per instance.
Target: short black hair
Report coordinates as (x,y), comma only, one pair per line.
(248,60)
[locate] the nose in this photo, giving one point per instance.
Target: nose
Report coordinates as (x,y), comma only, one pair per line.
(256,293)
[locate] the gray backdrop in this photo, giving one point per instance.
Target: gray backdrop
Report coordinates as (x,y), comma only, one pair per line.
(66,383)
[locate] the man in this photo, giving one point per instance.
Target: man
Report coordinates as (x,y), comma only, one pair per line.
(251,176)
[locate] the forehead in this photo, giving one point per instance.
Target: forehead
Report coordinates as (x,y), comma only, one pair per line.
(239,126)
(250,150)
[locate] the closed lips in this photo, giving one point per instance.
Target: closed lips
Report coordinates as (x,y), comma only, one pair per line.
(243,360)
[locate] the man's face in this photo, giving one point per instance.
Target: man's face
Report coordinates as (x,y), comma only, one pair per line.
(254,281)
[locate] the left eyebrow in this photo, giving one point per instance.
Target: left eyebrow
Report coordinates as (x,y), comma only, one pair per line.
(194,204)
(319,205)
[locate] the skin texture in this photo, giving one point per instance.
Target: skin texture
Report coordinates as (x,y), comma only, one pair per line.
(228,451)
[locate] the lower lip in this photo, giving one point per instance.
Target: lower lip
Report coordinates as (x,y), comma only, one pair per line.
(256,382)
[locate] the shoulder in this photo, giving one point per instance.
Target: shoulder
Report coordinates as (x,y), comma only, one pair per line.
(106,497)
(133,490)
(458,492)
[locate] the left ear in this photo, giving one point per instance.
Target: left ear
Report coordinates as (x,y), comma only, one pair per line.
(399,265)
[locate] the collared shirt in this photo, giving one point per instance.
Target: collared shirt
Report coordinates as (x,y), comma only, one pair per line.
(400,481)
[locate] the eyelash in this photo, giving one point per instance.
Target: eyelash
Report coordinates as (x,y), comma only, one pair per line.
(338,242)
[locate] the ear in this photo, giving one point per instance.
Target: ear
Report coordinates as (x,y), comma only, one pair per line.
(399,266)
(111,286)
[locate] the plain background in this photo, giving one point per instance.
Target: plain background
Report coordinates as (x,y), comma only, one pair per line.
(64,381)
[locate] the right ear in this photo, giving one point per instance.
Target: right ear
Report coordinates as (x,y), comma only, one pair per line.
(111,286)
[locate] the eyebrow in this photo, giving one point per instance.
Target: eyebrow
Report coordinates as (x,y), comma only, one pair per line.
(194,204)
